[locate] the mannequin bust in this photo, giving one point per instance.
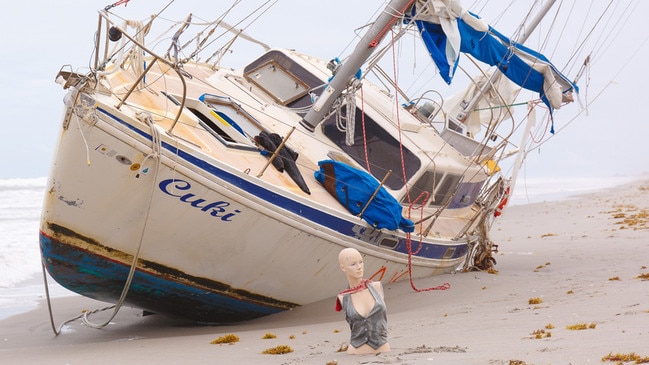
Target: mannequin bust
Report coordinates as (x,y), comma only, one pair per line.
(364,307)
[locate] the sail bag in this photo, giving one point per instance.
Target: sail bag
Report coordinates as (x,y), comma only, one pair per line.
(353,188)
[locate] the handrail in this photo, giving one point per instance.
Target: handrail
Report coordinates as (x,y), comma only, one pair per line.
(181,107)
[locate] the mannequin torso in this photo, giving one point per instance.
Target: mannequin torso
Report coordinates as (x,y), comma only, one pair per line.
(364,307)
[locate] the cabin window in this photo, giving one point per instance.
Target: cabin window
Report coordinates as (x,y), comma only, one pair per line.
(224,119)
(466,194)
(283,79)
(278,82)
(207,122)
(233,114)
(440,186)
(383,150)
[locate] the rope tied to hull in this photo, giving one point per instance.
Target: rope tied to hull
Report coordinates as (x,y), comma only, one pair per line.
(156,147)
(444,286)
(423,197)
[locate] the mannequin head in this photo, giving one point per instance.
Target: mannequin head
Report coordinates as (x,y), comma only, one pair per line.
(351,263)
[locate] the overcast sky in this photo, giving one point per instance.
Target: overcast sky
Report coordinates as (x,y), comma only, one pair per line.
(39,36)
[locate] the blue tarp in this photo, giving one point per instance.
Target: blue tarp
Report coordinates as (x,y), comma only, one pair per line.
(353,188)
(492,48)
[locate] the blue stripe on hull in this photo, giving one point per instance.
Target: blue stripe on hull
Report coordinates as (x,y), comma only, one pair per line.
(100,278)
(317,216)
(439,252)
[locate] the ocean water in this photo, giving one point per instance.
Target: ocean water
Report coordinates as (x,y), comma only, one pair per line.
(540,189)
(20,267)
(21,283)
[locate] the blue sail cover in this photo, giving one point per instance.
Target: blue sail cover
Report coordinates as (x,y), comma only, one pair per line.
(354,188)
(494,49)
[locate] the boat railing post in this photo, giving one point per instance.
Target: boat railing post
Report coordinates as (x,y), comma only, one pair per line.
(274,155)
(376,191)
(130,90)
(98,37)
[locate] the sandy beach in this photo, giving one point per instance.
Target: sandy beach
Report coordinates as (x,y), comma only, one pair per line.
(571,287)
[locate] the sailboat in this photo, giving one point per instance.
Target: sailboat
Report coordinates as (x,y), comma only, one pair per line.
(218,194)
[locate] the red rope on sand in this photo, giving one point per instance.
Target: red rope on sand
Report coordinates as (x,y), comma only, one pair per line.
(412,284)
(425,195)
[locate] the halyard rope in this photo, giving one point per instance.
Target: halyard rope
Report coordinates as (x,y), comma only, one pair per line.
(403,170)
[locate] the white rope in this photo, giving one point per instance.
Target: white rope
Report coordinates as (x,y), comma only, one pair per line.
(71,100)
(346,122)
(351,118)
(118,51)
(156,149)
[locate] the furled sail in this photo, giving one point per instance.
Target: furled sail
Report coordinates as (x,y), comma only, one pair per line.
(447,31)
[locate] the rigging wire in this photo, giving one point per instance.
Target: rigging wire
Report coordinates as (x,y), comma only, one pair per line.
(260,10)
(602,43)
(601,92)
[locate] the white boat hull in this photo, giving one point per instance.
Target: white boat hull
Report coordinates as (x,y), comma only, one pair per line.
(212,244)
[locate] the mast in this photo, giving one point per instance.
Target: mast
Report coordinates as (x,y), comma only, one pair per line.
(535,22)
(364,49)
(531,119)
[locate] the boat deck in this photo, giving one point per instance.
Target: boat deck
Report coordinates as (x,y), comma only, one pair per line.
(163,91)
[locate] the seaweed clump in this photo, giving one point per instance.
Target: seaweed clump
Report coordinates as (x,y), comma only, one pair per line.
(581,326)
(229,339)
(637,359)
(278,350)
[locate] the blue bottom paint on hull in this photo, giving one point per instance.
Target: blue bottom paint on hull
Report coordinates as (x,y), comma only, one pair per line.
(101,278)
